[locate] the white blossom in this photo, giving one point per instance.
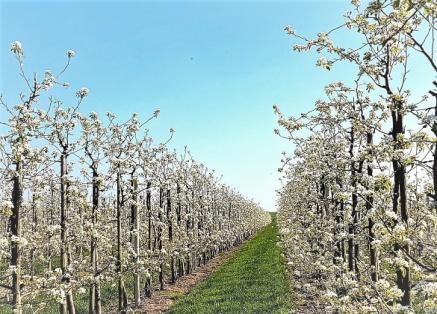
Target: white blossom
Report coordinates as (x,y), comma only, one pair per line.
(17,48)
(70,54)
(289,30)
(82,92)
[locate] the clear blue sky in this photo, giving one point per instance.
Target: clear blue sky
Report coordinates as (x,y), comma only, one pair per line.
(213,68)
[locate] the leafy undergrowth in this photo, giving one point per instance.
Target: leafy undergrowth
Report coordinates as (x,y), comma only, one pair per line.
(254,280)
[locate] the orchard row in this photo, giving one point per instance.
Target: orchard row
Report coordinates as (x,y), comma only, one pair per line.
(93,210)
(358,213)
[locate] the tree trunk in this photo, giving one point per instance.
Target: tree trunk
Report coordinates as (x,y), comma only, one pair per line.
(50,223)
(136,239)
(15,229)
(34,226)
(434,171)
(148,284)
(434,165)
(161,262)
(351,244)
(68,306)
(169,217)
(179,206)
(400,198)
(170,235)
(149,216)
(122,299)
(95,305)
(369,206)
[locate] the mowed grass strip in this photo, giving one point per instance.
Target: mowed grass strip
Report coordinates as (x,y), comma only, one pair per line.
(254,280)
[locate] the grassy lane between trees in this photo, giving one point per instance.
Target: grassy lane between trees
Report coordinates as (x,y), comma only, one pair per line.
(254,280)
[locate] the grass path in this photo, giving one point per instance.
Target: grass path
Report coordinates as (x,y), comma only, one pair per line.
(252,281)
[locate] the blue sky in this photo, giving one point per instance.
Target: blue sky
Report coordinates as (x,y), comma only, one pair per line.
(213,68)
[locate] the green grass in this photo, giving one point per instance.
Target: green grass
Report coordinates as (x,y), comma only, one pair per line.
(254,280)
